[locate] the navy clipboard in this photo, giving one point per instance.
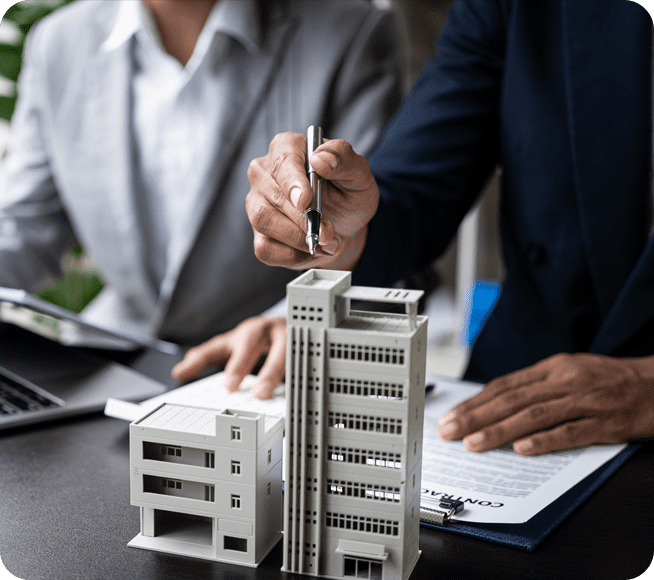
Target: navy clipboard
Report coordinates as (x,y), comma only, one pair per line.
(528,535)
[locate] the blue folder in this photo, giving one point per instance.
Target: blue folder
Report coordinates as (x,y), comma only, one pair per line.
(529,534)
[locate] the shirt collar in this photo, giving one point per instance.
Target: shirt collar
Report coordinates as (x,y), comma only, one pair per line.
(236,18)
(128,22)
(239,19)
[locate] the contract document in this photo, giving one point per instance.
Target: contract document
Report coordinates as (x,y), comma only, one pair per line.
(496,486)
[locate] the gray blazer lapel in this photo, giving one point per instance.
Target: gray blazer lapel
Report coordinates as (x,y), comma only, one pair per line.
(104,132)
(260,69)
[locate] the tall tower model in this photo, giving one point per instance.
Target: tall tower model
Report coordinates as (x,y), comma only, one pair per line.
(355,388)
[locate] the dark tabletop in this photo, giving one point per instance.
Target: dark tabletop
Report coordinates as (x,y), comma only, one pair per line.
(65,514)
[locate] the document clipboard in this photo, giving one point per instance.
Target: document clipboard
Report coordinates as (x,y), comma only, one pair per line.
(528,535)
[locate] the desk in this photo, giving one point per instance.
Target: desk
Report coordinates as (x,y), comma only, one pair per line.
(65,515)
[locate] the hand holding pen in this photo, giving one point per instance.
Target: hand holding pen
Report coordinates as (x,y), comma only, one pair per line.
(281,193)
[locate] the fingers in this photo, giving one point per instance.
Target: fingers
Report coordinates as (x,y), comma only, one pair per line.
(246,351)
(269,210)
(503,384)
(567,436)
(336,161)
(532,419)
(273,370)
(280,228)
(211,353)
(460,422)
(287,159)
(275,253)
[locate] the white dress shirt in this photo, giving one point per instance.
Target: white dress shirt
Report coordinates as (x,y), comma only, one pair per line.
(178,110)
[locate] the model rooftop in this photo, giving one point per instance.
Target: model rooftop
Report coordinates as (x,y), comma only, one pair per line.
(379,322)
(189,419)
(326,296)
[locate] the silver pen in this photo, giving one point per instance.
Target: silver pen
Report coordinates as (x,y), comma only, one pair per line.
(314,211)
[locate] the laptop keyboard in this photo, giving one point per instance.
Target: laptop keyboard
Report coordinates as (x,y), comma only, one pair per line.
(16,398)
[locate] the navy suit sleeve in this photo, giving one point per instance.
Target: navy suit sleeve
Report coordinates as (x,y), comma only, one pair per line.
(438,151)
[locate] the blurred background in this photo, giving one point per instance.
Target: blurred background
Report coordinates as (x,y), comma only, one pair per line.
(462,286)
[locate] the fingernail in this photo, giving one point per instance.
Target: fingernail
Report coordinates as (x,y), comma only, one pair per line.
(447,417)
(330,247)
(474,440)
(262,390)
(296,192)
(231,386)
(448,430)
(328,158)
(523,446)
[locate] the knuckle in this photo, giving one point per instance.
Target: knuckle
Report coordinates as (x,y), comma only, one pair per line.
(279,140)
(511,398)
(259,216)
(568,431)
(253,169)
(277,197)
(276,165)
(536,412)
(341,145)
(261,250)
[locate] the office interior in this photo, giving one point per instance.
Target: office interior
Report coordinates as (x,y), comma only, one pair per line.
(595,542)
(474,258)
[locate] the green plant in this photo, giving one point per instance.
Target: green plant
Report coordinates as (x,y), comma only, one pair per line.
(22,15)
(79,284)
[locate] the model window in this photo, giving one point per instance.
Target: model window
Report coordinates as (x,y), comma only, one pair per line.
(236,502)
(358,568)
(235,544)
(175,451)
(236,433)
(236,468)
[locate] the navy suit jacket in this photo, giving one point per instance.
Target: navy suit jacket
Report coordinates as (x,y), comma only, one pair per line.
(557,92)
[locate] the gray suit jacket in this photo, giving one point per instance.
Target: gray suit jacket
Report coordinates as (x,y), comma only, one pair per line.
(69,172)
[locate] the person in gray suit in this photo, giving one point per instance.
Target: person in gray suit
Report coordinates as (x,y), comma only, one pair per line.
(134,128)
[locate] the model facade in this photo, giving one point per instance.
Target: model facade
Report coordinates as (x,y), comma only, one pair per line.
(355,387)
(207,482)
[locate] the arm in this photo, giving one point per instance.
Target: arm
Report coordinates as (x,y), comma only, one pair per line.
(34,229)
(439,150)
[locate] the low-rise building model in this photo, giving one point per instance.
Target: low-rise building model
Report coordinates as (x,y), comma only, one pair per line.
(208,482)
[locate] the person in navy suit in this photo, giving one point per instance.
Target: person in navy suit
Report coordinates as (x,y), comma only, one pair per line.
(558,93)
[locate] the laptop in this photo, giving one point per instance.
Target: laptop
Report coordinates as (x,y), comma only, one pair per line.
(42,380)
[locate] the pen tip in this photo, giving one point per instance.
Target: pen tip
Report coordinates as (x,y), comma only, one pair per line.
(312,242)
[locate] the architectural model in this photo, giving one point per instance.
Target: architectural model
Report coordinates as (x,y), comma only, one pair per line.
(208,482)
(355,388)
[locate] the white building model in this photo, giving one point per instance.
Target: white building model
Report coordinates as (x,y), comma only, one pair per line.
(208,482)
(355,387)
